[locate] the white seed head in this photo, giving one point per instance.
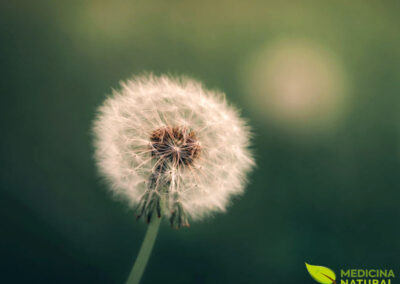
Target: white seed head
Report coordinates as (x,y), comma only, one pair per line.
(171,138)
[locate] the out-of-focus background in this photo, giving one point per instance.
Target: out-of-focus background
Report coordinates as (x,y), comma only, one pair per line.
(319,82)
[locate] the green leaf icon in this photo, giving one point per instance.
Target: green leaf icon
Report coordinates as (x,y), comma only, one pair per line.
(321,274)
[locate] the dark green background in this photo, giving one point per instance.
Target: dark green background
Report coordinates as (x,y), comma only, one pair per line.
(329,199)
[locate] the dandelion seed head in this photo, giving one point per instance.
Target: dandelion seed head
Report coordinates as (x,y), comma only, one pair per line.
(176,137)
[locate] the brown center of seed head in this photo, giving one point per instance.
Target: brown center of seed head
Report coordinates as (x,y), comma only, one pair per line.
(176,144)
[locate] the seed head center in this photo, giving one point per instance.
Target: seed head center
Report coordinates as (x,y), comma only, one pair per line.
(177,145)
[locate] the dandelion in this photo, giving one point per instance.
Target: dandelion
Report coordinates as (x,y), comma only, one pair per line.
(171,148)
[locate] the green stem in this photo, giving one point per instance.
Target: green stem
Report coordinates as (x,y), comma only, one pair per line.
(145,251)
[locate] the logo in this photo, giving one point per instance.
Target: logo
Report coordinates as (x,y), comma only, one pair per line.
(321,274)
(325,275)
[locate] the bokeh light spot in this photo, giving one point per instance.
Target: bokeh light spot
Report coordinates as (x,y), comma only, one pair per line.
(296,84)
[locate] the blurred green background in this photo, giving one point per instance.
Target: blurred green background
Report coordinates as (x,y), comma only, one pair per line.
(317,80)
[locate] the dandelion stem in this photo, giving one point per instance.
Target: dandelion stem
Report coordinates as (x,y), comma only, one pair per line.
(145,251)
